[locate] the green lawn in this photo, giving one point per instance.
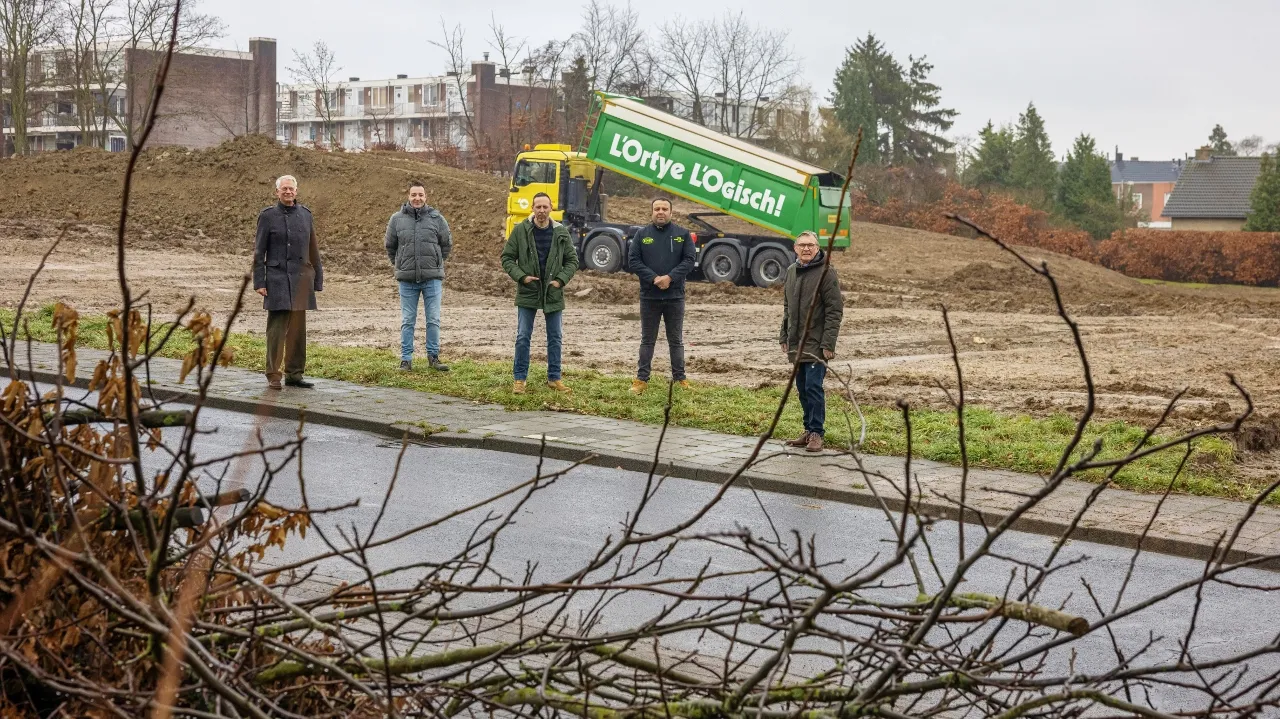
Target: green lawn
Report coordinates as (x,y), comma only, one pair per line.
(995,440)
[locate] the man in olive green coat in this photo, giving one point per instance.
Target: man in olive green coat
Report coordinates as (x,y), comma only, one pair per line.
(540,257)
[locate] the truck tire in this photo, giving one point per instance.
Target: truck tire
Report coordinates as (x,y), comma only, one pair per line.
(769,267)
(603,254)
(722,264)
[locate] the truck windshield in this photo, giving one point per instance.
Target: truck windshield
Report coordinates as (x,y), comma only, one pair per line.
(529,172)
(830,197)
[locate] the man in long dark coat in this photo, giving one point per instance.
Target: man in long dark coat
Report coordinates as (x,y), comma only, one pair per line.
(288,274)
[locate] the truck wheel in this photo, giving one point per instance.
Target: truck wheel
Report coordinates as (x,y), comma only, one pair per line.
(722,264)
(769,267)
(603,254)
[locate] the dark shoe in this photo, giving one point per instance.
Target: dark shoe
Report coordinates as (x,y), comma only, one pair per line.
(406,365)
(299,383)
(800,441)
(815,443)
(437,365)
(274,383)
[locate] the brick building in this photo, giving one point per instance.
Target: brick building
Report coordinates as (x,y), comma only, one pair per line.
(1148,184)
(211,95)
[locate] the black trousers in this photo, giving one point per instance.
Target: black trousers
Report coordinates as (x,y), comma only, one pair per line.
(670,313)
(286,343)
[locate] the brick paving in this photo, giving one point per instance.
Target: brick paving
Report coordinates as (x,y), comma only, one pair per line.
(1187,525)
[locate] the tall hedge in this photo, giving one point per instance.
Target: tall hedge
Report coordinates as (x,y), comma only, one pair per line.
(1243,258)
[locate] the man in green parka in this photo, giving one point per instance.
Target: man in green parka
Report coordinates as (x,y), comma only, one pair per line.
(540,257)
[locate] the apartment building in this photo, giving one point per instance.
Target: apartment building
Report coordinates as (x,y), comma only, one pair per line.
(211,95)
(417,113)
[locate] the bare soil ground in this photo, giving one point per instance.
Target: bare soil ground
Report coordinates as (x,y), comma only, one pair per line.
(191,234)
(1145,342)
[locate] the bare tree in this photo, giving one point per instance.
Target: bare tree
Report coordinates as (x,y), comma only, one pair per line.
(1251,146)
(609,40)
(509,49)
(543,69)
(683,51)
(459,69)
(379,117)
(86,24)
(146,29)
(25,25)
(317,70)
(751,66)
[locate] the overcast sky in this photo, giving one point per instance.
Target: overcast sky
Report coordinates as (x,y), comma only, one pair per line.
(1150,76)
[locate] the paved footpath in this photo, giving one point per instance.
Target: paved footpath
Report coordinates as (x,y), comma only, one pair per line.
(1187,526)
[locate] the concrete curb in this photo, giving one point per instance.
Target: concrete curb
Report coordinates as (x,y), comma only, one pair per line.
(1199,550)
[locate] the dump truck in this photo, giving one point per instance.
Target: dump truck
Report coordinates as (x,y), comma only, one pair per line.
(729,177)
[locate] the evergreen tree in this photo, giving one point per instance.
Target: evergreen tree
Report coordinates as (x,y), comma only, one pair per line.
(1084,190)
(1264,203)
(916,135)
(1219,142)
(992,165)
(1034,170)
(868,90)
(898,109)
(576,84)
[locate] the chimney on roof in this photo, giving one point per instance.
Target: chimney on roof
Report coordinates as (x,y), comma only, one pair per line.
(1204,153)
(1119,155)
(402,77)
(486,57)
(353,79)
(1133,159)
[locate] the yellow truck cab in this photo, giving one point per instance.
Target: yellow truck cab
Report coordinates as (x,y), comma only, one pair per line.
(545,168)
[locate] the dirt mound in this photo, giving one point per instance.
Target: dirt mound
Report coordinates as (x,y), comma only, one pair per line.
(212,197)
(982,277)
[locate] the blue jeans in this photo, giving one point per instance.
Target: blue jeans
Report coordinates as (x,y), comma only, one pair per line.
(813,399)
(524,333)
(431,291)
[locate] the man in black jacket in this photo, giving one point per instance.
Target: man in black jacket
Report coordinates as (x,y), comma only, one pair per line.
(287,273)
(661,256)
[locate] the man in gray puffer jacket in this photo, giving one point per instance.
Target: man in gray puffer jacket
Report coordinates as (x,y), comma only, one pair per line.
(418,242)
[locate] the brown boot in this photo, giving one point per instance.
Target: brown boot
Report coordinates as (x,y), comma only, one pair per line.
(558,386)
(517,387)
(800,441)
(637,386)
(273,382)
(815,443)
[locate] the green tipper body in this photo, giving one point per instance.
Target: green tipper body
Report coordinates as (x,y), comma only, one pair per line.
(767,189)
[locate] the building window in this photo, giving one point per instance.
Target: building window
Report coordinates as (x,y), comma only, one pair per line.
(116,144)
(1137,200)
